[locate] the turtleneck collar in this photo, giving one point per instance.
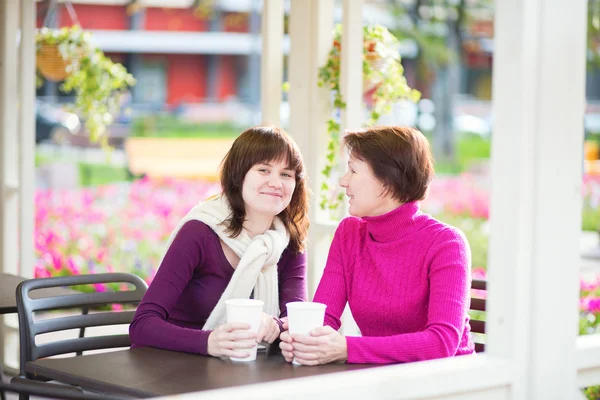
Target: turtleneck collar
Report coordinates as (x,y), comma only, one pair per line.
(396,224)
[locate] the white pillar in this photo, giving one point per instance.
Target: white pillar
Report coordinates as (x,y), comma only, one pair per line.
(351,87)
(351,74)
(311,35)
(271,61)
(9,182)
(27,139)
(538,103)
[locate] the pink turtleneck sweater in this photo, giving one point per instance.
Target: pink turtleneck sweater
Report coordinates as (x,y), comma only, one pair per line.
(406,277)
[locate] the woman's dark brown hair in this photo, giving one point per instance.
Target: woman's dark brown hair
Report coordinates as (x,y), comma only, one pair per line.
(399,156)
(258,145)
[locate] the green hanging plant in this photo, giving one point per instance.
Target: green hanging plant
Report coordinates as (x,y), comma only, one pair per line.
(68,54)
(383,85)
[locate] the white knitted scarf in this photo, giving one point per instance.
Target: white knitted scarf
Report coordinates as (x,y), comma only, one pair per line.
(259,255)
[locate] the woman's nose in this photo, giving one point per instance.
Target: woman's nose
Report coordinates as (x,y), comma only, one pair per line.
(343,183)
(275,182)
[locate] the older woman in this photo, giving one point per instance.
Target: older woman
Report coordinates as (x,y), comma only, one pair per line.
(405,275)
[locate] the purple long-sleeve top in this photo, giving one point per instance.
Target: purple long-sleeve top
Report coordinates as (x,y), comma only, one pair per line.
(192,277)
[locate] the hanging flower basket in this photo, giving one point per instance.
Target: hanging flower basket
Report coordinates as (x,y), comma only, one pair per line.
(69,55)
(376,62)
(50,63)
(383,84)
(58,50)
(380,54)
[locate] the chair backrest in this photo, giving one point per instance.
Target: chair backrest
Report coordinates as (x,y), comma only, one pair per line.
(478,304)
(28,328)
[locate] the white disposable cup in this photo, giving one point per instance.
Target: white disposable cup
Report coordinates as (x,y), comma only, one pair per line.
(303,317)
(248,311)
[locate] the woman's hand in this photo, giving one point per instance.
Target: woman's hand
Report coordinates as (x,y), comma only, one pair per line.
(286,346)
(233,339)
(323,346)
(269,329)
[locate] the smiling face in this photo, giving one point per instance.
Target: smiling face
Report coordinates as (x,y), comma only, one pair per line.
(367,194)
(268,188)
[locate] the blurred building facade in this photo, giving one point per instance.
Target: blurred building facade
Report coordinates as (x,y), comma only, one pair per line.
(190,51)
(178,54)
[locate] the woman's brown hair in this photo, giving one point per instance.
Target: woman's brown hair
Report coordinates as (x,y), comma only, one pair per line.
(261,144)
(399,156)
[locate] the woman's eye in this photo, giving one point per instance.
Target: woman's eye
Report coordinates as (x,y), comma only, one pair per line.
(263,170)
(287,175)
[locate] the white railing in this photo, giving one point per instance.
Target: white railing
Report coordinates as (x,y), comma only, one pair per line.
(467,377)
(588,360)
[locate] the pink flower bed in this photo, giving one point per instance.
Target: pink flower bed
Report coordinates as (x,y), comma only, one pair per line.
(119,227)
(469,195)
(464,195)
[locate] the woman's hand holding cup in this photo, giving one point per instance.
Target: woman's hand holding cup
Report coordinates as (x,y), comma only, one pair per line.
(233,339)
(287,349)
(249,313)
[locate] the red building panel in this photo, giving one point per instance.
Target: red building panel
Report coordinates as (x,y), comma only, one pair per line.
(96,17)
(227,77)
(40,13)
(174,19)
(186,78)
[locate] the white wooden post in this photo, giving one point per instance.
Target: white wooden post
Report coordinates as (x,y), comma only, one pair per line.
(311,27)
(9,179)
(538,103)
(271,62)
(8,137)
(351,86)
(351,74)
(27,139)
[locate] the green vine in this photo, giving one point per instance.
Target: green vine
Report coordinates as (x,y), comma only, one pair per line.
(384,84)
(96,80)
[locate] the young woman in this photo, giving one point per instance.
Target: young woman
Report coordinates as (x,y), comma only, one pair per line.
(247,241)
(405,275)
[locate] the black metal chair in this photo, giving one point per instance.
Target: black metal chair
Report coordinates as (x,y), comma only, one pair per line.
(478,326)
(52,391)
(30,328)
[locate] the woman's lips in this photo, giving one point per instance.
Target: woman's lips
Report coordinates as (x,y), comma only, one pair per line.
(279,195)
